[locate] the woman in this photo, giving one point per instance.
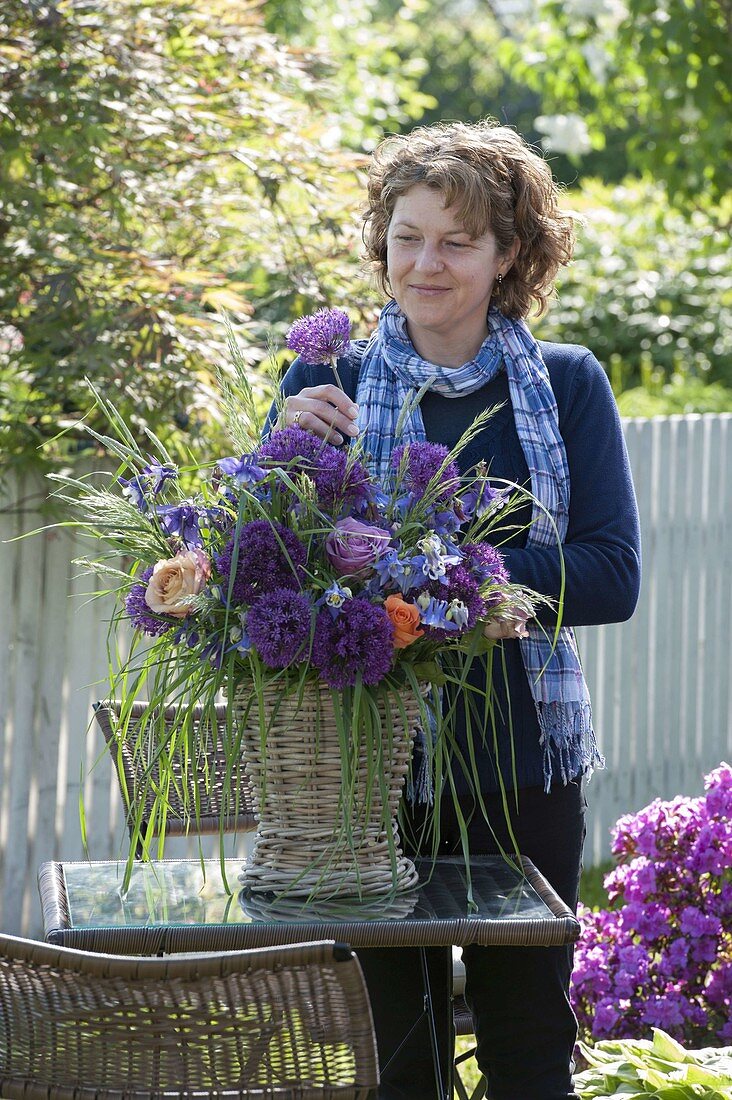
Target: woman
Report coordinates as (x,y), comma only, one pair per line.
(464,229)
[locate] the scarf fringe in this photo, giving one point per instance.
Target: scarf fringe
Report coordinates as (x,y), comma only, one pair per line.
(568,738)
(420,786)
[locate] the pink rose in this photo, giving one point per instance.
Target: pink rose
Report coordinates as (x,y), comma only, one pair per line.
(353,547)
(175,580)
(509,624)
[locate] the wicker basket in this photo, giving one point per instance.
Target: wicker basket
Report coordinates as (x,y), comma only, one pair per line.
(327,817)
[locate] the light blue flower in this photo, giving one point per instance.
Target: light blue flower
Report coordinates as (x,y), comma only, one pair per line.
(459,614)
(434,612)
(183,520)
(410,577)
(446,523)
(240,641)
(159,473)
(389,567)
(136,489)
(244,470)
(334,598)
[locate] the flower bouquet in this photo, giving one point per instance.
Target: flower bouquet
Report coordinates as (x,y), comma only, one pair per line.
(327,608)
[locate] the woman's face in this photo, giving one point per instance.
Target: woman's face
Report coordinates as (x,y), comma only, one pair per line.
(441,279)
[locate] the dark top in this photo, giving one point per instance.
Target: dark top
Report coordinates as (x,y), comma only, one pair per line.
(602,545)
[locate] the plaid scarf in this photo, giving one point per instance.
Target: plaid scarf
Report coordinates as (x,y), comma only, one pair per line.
(390,373)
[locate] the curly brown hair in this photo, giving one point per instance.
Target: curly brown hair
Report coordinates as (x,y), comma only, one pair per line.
(496,181)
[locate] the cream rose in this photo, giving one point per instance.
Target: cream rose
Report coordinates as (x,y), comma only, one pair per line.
(175,580)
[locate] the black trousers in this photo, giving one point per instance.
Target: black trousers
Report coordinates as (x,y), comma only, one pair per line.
(519,996)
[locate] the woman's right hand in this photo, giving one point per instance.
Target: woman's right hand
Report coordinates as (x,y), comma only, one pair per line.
(326,411)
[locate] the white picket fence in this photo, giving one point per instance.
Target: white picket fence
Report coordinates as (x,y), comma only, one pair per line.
(660,683)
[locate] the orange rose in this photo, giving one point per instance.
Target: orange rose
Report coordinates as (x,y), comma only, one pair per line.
(405,620)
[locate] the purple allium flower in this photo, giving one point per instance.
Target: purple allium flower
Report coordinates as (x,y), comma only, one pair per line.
(278,625)
(321,336)
(485,563)
(359,640)
(142,617)
(340,482)
(337,479)
(292,445)
(261,563)
(423,462)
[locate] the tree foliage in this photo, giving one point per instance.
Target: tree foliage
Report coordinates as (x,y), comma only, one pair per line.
(661,70)
(378,84)
(161,163)
(650,289)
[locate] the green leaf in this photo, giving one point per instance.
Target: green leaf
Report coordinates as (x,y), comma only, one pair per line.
(430,672)
(666,1047)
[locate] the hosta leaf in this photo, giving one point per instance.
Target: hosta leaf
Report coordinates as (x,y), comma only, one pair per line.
(666,1047)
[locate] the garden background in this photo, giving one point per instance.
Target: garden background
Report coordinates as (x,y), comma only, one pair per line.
(164,161)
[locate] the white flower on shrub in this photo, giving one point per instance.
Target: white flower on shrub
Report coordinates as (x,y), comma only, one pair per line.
(564,134)
(597,58)
(11,339)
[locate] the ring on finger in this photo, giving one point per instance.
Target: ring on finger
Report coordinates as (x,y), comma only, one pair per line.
(296,418)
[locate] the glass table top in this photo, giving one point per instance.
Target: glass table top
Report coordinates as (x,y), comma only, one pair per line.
(173,893)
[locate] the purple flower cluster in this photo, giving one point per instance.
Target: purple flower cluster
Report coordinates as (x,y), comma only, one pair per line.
(142,617)
(338,481)
(662,957)
(423,462)
(320,337)
(259,562)
(359,639)
(278,625)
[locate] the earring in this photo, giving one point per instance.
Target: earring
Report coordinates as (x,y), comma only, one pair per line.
(499,279)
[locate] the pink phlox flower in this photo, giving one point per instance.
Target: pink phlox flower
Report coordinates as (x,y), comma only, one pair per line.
(718,985)
(611,1019)
(719,780)
(693,922)
(704,950)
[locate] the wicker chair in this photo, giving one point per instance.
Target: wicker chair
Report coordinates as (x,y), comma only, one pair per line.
(189,808)
(286,1023)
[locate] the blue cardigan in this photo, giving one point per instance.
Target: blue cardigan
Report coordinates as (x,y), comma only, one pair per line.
(602,547)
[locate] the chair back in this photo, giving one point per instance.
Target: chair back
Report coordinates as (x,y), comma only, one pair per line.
(210,792)
(284,1023)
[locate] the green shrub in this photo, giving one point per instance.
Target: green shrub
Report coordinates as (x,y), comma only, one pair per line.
(650,292)
(682,394)
(161,163)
